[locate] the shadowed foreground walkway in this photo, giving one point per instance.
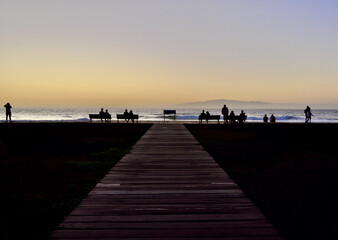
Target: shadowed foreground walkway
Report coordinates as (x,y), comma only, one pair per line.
(168,187)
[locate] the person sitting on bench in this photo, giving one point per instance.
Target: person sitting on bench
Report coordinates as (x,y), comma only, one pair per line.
(232,117)
(126,115)
(130,116)
(102,113)
(106,114)
(242,117)
(202,116)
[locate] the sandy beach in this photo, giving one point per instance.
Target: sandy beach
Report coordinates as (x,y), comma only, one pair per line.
(288,170)
(47,168)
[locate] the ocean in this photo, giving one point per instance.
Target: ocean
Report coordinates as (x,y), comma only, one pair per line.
(156,114)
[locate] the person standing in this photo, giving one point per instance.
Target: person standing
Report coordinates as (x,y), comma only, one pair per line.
(225,113)
(308,114)
(305,112)
(8,112)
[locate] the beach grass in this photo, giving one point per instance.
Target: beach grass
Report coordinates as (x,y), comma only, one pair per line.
(288,170)
(46,169)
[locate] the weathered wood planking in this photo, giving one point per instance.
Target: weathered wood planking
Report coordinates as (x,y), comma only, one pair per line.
(167,187)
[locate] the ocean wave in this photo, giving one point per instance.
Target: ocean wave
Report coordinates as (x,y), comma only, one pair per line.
(187,117)
(254,118)
(288,118)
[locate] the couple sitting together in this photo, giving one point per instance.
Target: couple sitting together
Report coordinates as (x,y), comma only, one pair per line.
(128,115)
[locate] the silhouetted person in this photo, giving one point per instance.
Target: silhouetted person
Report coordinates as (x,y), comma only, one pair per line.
(207,116)
(8,112)
(102,114)
(202,116)
(308,114)
(242,117)
(232,117)
(106,114)
(126,115)
(265,118)
(131,116)
(272,119)
(225,113)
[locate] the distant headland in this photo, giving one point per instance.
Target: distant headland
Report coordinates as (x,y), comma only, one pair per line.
(217,103)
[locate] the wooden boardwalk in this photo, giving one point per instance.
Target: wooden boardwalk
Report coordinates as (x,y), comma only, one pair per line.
(167,187)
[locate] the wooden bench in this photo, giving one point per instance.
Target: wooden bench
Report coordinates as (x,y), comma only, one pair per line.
(122,116)
(166,112)
(207,118)
(100,116)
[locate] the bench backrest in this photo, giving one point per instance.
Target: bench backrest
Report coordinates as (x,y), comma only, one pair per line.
(214,117)
(99,116)
(122,116)
(217,117)
(169,111)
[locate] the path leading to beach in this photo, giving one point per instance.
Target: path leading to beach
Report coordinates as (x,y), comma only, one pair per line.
(167,187)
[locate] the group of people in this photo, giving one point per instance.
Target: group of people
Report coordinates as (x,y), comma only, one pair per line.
(104,114)
(231,118)
(128,115)
(204,115)
(272,118)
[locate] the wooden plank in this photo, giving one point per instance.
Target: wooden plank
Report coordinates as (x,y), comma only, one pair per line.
(167,225)
(166,218)
(189,238)
(174,233)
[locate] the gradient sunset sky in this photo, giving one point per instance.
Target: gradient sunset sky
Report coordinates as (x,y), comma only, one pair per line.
(160,52)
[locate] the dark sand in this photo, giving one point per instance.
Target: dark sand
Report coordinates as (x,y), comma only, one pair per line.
(290,171)
(47,168)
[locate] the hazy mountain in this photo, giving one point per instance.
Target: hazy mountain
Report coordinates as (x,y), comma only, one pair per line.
(230,104)
(234,104)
